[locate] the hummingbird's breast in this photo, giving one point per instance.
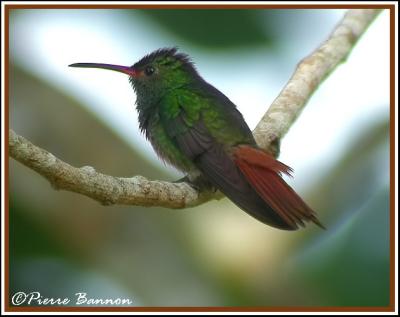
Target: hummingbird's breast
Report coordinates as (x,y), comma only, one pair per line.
(152,124)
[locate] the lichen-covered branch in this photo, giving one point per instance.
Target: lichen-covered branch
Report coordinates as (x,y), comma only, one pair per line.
(106,189)
(310,72)
(138,190)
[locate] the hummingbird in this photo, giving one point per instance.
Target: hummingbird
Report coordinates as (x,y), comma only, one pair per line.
(196,128)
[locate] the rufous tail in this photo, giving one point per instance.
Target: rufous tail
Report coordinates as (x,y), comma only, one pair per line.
(264,173)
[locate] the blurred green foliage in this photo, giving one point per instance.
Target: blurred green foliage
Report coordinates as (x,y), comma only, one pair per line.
(215,29)
(352,260)
(40,242)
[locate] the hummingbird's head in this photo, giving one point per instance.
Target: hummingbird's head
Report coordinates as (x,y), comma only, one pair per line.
(162,70)
(157,72)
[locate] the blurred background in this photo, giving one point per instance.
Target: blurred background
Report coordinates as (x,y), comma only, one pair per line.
(62,243)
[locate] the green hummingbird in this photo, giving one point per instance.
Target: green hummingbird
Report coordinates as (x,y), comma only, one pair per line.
(197,129)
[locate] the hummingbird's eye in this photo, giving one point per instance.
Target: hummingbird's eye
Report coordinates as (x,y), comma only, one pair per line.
(149,70)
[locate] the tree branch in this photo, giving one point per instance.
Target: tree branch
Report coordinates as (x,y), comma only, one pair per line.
(106,189)
(310,72)
(140,191)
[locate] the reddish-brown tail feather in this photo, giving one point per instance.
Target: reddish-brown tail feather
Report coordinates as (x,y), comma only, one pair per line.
(264,173)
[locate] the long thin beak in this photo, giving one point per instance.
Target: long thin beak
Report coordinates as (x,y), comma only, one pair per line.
(122,69)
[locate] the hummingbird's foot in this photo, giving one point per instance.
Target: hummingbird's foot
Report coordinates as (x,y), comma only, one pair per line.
(200,183)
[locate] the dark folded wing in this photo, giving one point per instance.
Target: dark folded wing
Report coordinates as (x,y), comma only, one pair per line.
(219,168)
